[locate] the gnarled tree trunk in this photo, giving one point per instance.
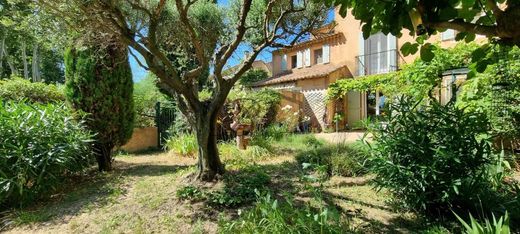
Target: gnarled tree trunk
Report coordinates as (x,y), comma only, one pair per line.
(209,164)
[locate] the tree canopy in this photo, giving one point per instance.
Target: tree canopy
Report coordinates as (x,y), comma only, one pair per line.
(498,20)
(185,42)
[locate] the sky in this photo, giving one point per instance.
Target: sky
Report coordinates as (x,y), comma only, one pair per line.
(139,72)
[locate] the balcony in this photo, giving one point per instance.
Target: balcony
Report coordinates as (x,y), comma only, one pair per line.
(379,63)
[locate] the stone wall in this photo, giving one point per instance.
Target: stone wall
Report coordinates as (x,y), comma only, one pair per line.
(142,139)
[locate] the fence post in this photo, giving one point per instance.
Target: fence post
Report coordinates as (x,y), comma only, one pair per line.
(158,123)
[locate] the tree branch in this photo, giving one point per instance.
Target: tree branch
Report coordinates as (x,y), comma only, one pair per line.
(461,26)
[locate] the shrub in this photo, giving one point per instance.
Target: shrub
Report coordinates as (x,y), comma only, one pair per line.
(341,159)
(18,89)
(432,157)
(256,108)
(252,76)
(39,145)
(184,145)
(146,95)
(102,86)
(272,216)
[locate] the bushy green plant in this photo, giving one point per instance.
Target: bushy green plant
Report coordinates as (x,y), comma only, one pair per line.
(340,159)
(273,216)
(432,157)
(19,89)
(39,145)
(184,145)
(190,193)
(255,105)
(146,95)
(180,126)
(252,76)
(239,189)
(500,226)
(99,82)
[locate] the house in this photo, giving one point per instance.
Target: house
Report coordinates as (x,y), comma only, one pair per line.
(338,51)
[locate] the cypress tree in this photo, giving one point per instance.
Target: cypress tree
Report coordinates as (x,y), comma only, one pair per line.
(99,83)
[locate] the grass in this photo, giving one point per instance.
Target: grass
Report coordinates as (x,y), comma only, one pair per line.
(142,196)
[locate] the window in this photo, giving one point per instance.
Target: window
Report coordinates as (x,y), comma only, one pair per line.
(318,56)
(294,61)
(448,35)
(284,62)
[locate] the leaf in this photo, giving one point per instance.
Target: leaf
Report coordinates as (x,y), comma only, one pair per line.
(427,52)
(460,36)
(409,48)
(367,29)
(470,37)
(478,54)
(482,65)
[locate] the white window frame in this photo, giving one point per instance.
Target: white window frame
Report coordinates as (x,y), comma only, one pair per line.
(325,54)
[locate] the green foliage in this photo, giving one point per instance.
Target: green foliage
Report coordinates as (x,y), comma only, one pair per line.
(146,95)
(501,104)
(239,189)
(270,215)
(432,157)
(340,159)
(253,76)
(184,145)
(99,82)
(500,226)
(39,145)
(416,79)
(180,126)
(26,29)
(190,193)
(255,105)
(19,89)
(431,17)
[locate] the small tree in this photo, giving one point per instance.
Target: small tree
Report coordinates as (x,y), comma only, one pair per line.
(99,82)
(181,40)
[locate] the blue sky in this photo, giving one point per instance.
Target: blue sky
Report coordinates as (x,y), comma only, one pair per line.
(139,73)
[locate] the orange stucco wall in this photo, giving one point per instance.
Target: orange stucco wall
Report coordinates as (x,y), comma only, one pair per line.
(344,48)
(142,139)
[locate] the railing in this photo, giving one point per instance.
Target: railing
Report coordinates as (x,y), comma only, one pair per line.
(378,63)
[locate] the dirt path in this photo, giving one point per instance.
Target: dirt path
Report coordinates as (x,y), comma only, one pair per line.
(140,197)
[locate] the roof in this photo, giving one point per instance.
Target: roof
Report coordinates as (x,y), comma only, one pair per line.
(257,64)
(315,71)
(318,39)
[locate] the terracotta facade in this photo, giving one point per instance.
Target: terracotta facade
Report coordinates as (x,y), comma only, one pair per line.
(345,55)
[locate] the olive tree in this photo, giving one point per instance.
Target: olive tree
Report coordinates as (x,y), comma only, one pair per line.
(181,40)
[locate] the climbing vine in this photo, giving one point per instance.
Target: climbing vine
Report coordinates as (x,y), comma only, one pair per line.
(415,79)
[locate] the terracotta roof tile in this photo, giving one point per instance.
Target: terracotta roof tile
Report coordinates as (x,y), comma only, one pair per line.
(301,74)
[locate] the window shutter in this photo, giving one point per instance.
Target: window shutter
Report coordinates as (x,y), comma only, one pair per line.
(299,56)
(307,57)
(361,58)
(326,53)
(392,52)
(284,62)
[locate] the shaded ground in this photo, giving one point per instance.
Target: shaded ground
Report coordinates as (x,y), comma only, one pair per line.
(139,197)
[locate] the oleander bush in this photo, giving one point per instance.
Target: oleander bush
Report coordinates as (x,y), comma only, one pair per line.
(432,158)
(18,89)
(40,144)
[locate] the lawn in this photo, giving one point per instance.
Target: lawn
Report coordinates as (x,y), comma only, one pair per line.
(140,196)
